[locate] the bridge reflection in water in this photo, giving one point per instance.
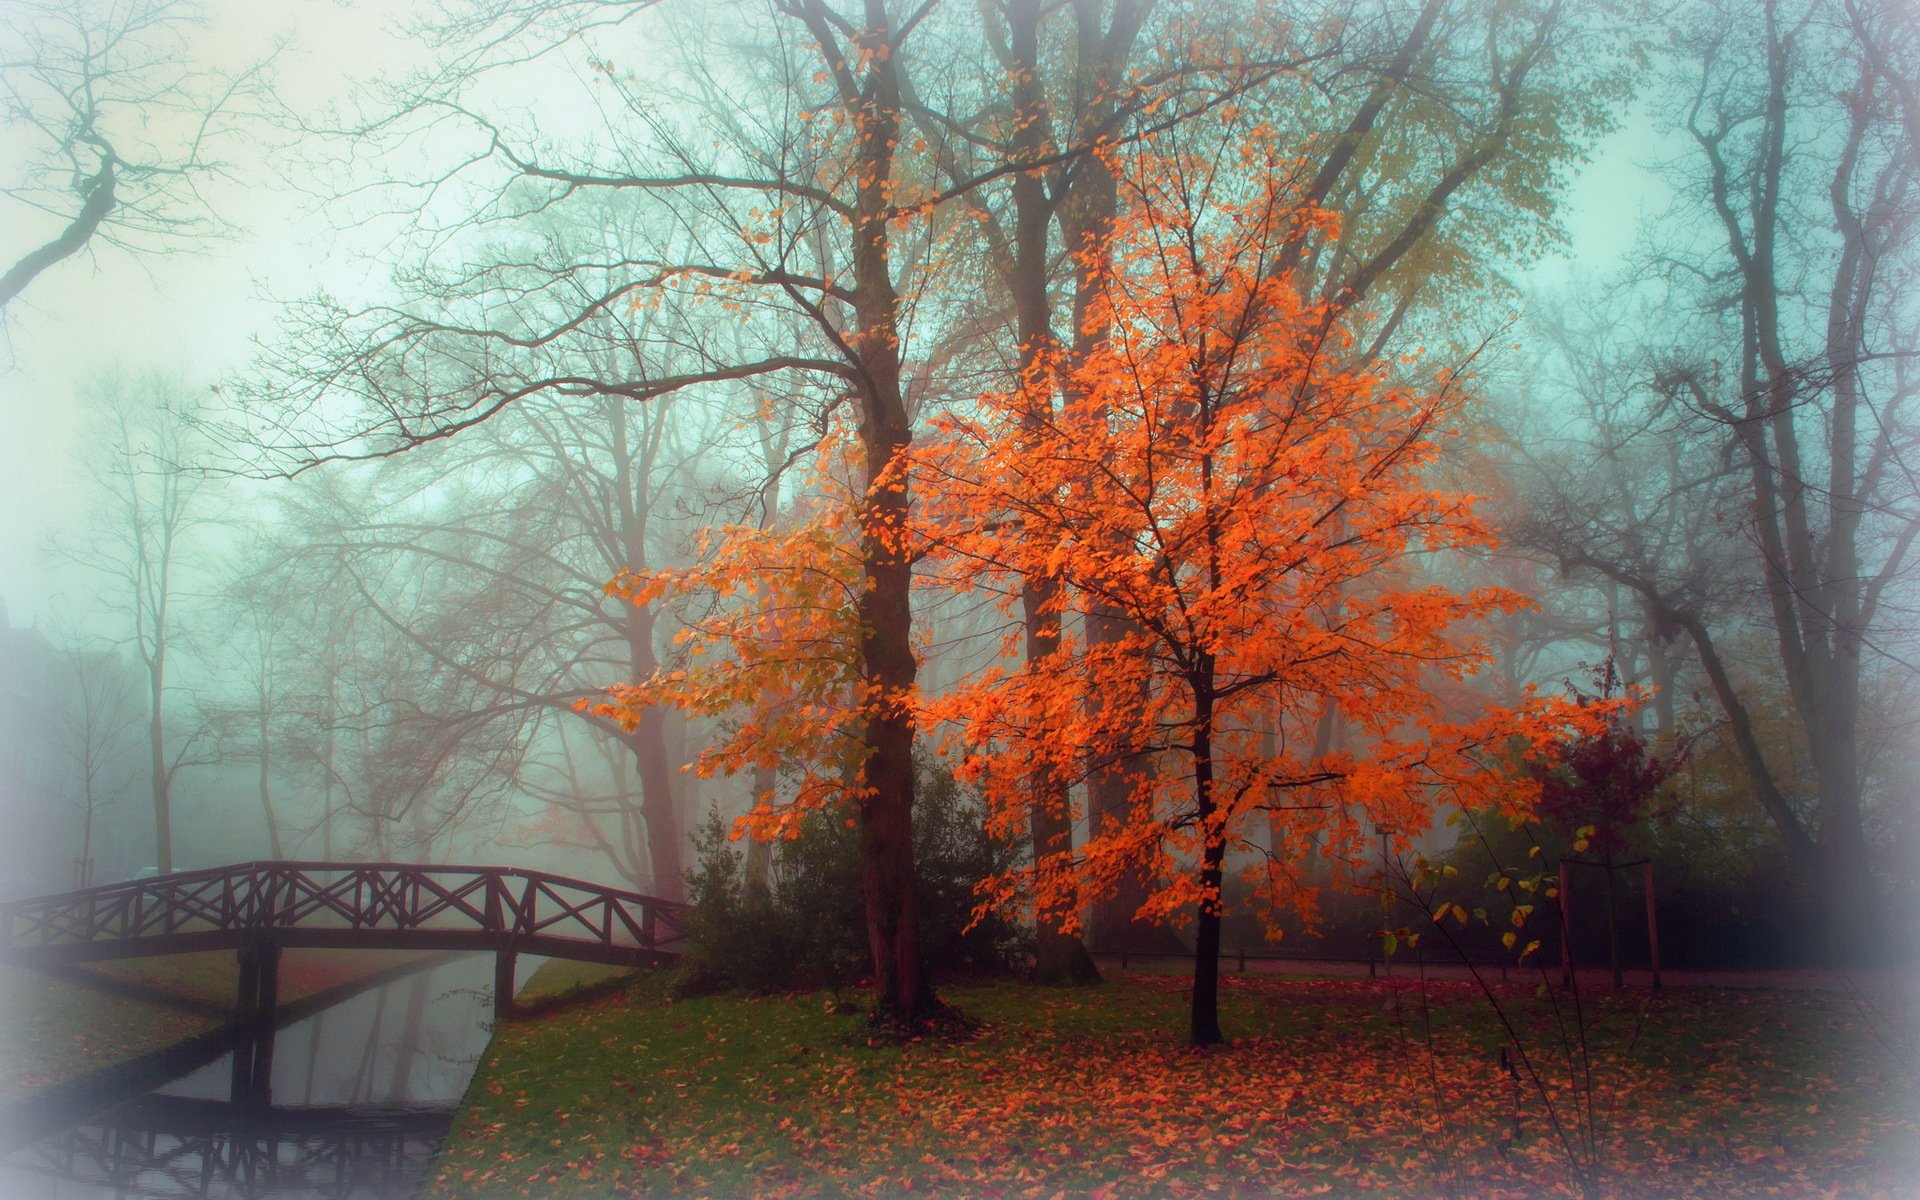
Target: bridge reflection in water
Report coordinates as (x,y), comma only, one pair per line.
(350,1103)
(180,1146)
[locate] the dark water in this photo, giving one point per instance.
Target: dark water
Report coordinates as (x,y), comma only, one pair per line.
(360,1097)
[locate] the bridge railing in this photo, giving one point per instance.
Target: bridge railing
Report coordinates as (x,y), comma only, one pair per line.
(347,903)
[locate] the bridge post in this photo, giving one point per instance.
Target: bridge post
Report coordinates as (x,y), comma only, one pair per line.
(246,1004)
(504,962)
(256,1006)
(266,1018)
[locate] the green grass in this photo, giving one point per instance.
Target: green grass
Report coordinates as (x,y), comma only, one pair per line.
(562,981)
(52,1029)
(1330,1086)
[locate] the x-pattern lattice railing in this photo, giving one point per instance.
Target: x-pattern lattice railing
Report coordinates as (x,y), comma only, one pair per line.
(344,904)
(151,1150)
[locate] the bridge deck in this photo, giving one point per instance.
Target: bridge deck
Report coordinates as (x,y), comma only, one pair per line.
(343,905)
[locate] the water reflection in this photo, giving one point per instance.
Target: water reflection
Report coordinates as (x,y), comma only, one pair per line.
(351,1103)
(176,1146)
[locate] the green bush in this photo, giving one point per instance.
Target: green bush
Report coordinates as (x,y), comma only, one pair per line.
(806,925)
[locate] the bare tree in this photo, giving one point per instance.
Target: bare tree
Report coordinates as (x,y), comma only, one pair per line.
(1603,467)
(114,134)
(146,509)
(541,508)
(100,723)
(421,756)
(257,596)
(1786,358)
(803,207)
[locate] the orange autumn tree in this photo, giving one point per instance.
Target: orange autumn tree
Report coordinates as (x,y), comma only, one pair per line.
(769,647)
(1215,476)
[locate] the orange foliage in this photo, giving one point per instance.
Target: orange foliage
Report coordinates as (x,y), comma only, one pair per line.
(1253,509)
(1213,474)
(775,653)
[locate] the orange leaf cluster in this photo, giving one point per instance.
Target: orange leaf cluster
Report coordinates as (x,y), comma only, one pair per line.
(769,644)
(1212,482)
(1248,510)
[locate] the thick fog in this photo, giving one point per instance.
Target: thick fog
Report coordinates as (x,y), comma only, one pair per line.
(412,328)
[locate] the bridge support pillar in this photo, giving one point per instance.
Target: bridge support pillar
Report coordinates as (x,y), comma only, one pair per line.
(504,962)
(256,1012)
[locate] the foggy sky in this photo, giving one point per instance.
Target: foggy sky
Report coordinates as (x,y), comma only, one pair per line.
(192,311)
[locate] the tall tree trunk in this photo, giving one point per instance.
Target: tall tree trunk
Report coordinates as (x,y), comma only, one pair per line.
(157,760)
(1814,590)
(1059,957)
(902,993)
(83,869)
(1857,927)
(266,786)
(658,808)
(1205,1024)
(1664,667)
(647,742)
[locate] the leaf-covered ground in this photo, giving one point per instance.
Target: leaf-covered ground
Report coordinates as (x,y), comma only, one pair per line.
(54,1026)
(1330,1087)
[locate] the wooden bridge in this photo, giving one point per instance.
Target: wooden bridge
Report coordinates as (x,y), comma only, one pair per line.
(258,909)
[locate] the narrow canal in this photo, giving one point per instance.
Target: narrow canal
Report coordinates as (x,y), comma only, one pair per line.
(353,1106)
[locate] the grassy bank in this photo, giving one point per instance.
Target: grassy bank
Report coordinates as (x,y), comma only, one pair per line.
(1330,1087)
(55,1026)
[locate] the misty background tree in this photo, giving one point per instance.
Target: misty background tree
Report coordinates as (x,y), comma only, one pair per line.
(1759,440)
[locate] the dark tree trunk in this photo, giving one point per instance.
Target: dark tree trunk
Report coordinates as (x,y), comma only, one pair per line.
(658,808)
(901,991)
(97,205)
(648,745)
(1816,586)
(1205,1025)
(647,742)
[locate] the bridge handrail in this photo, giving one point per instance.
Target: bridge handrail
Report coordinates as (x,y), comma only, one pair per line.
(320,865)
(268,894)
